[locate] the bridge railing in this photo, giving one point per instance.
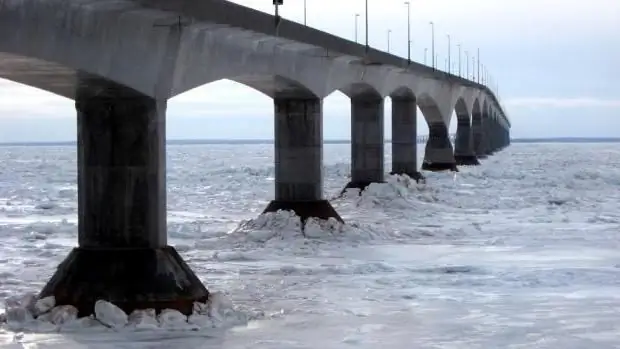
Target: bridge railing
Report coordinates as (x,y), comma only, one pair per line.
(258,21)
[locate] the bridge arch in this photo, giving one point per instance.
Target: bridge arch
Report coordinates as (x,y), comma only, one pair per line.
(273,86)
(464,153)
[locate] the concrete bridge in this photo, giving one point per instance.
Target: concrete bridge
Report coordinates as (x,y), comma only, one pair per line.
(121,60)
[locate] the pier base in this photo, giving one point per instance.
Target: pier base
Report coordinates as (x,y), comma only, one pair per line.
(321,209)
(466,160)
(361,185)
(439,166)
(133,278)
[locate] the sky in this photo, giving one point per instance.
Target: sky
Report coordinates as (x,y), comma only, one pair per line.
(556,62)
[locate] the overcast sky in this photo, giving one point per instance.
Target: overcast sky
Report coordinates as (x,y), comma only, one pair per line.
(557,63)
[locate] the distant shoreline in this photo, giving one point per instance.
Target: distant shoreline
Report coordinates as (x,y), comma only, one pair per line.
(330,141)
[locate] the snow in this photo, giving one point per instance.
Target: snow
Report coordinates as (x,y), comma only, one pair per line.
(520,252)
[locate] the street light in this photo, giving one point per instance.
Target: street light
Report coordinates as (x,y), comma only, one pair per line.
(473,69)
(467,65)
(367,47)
(449,47)
(459,45)
(388,34)
(305,13)
(276,4)
(478,59)
(408,31)
(357,15)
(433,41)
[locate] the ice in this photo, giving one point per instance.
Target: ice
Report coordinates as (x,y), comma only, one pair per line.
(110,315)
(60,315)
(44,305)
(520,252)
(143,319)
(174,320)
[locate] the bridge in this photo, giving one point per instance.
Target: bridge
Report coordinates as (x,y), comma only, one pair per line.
(122,60)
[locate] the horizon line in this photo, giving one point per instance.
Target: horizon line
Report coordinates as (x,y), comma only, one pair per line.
(190,141)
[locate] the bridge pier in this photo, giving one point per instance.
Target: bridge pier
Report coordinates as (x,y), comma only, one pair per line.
(438,155)
(122,254)
(487,126)
(299,159)
(478,134)
(404,137)
(464,153)
(367,157)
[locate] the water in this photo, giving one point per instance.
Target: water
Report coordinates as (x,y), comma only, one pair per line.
(521,252)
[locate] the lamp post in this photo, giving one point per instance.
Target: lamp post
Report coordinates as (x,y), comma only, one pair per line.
(388,39)
(408,31)
(433,41)
(357,15)
(478,59)
(305,12)
(473,69)
(460,64)
(449,47)
(467,64)
(367,47)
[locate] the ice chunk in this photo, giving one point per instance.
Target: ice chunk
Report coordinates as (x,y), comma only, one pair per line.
(44,305)
(20,309)
(110,315)
(174,320)
(143,320)
(62,314)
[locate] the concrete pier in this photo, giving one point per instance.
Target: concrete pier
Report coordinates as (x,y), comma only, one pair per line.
(464,153)
(299,159)
(438,155)
(367,158)
(487,126)
(122,254)
(478,135)
(404,135)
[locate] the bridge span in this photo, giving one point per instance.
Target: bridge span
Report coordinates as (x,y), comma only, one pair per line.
(121,60)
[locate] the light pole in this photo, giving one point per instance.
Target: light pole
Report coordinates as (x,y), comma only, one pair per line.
(473,69)
(449,47)
(367,47)
(357,15)
(478,59)
(389,32)
(408,31)
(433,41)
(467,64)
(460,64)
(305,12)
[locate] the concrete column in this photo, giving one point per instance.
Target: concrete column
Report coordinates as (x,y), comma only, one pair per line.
(493,135)
(438,155)
(366,141)
(123,255)
(464,153)
(477,126)
(497,135)
(299,159)
(487,128)
(404,137)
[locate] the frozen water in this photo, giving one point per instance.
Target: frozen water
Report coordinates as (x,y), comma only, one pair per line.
(521,252)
